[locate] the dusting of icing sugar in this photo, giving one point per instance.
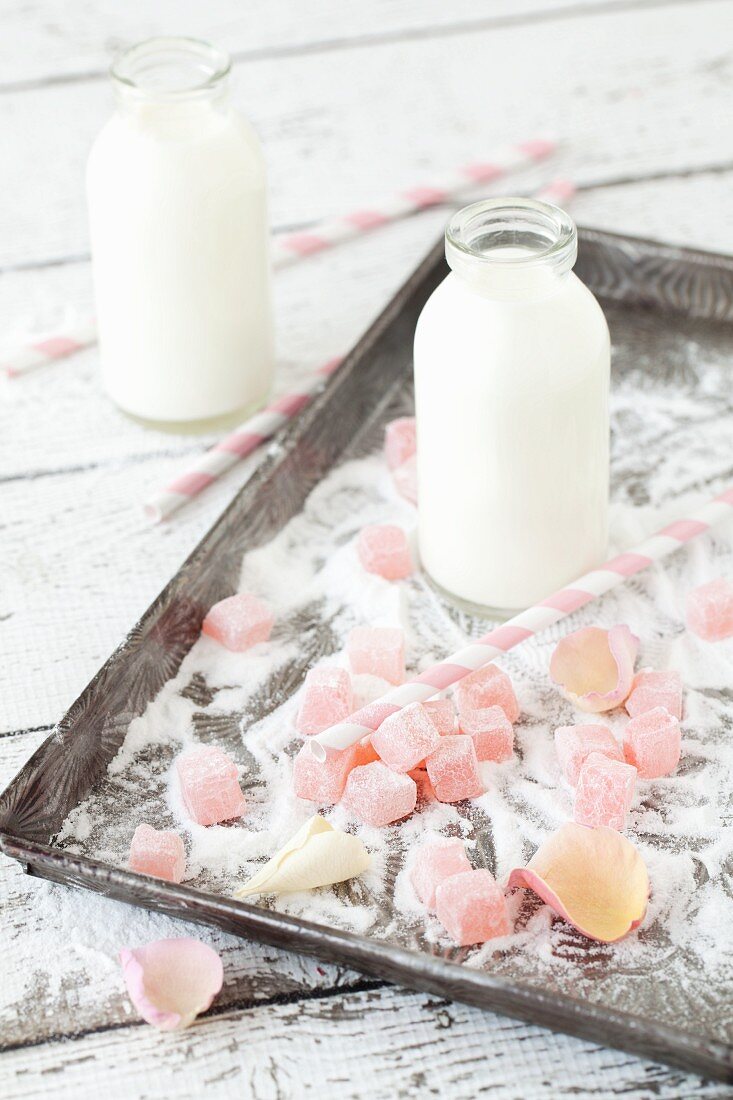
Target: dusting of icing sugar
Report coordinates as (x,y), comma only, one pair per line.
(311,577)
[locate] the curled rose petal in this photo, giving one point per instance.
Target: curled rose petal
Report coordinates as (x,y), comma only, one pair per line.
(171,981)
(594,668)
(594,878)
(318,855)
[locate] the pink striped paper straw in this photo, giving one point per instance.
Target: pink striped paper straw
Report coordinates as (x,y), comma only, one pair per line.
(69,338)
(326,234)
(249,436)
(234,447)
(523,626)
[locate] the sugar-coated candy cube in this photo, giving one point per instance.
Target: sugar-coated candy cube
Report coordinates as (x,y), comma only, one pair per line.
(710,610)
(442,715)
(383,549)
(434,863)
(652,743)
(472,908)
(379,651)
(323,782)
(406,738)
(376,795)
(158,853)
(652,689)
(327,699)
(574,743)
(491,732)
(400,441)
(487,687)
(405,480)
(604,793)
(210,785)
(238,622)
(453,769)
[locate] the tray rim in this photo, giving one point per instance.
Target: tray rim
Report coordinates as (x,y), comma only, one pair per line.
(418,970)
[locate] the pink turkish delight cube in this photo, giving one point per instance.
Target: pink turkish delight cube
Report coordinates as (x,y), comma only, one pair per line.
(604,793)
(433,864)
(323,782)
(378,651)
(400,441)
(472,908)
(487,687)
(574,744)
(376,795)
(443,715)
(453,769)
(406,738)
(327,699)
(491,732)
(158,853)
(383,549)
(405,480)
(710,610)
(652,689)
(238,622)
(210,785)
(652,743)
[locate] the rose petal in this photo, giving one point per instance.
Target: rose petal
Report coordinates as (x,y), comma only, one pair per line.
(594,668)
(594,878)
(318,855)
(171,981)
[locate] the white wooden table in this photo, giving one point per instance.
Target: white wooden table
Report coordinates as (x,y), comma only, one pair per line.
(352,101)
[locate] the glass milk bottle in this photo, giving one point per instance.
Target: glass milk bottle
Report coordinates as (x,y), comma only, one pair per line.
(512,361)
(178,222)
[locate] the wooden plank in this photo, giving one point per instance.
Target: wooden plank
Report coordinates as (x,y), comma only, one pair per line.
(365,121)
(47,48)
(375,1044)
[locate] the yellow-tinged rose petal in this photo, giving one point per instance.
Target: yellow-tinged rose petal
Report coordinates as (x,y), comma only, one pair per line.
(594,878)
(595,668)
(318,855)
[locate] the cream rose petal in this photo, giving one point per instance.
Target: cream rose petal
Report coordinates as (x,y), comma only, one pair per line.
(594,878)
(318,855)
(171,981)
(594,668)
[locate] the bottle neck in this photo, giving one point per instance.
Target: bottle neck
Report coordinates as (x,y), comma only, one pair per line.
(512,249)
(174,77)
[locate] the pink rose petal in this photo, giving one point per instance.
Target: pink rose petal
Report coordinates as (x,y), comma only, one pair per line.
(594,668)
(171,981)
(594,878)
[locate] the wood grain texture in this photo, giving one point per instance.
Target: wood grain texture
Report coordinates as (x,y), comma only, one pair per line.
(39,46)
(374,1043)
(352,102)
(615,82)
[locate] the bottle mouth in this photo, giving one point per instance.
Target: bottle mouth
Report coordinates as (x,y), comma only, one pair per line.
(510,235)
(170,68)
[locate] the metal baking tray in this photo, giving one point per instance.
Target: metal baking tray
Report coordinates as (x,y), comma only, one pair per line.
(669,309)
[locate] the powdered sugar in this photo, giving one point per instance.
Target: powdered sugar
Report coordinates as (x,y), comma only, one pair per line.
(311,577)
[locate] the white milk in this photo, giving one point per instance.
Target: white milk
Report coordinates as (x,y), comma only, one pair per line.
(511,386)
(177,210)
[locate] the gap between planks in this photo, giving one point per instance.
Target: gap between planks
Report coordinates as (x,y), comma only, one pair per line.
(242,1004)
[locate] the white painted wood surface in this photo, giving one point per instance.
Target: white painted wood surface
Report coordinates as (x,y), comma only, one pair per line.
(351,101)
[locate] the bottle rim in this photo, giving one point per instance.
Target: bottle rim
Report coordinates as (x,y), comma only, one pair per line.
(510,234)
(170,67)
